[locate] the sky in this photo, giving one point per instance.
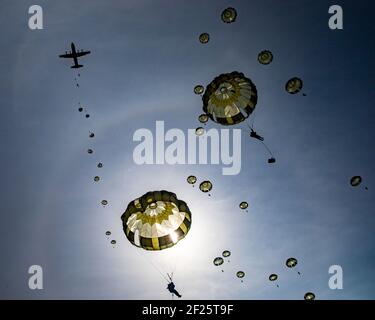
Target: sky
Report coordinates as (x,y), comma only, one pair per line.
(145,61)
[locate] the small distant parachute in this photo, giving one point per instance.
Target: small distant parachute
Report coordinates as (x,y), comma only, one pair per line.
(218,261)
(87,115)
(203,118)
(92,135)
(309,296)
(156,221)
(198,89)
(229,15)
(230,98)
(191,179)
(265,57)
(199,131)
(355,181)
(273,277)
(113,242)
(244,205)
(90,151)
(80,109)
(205,186)
(294,85)
(204,38)
(96,178)
(108,233)
(291,262)
(226,253)
(100,165)
(104,202)
(240,274)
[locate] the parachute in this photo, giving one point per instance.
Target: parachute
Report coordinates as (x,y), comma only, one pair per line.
(229,15)
(309,296)
(205,186)
(80,109)
(199,131)
(240,274)
(87,115)
(265,57)
(198,89)
(96,179)
(291,262)
(90,151)
(204,38)
(355,181)
(226,253)
(92,135)
(294,85)
(113,242)
(218,261)
(104,202)
(191,179)
(243,205)
(100,165)
(273,277)
(156,221)
(108,233)
(203,118)
(230,98)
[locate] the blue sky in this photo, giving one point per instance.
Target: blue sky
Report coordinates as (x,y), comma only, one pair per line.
(145,61)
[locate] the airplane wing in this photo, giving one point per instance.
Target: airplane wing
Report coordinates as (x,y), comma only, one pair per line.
(82,53)
(66,55)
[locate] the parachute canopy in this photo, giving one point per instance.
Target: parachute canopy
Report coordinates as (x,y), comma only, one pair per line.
(199,131)
(113,242)
(229,15)
(294,85)
(355,181)
(291,262)
(104,202)
(191,179)
(244,205)
(226,253)
(205,186)
(108,233)
(309,296)
(96,179)
(203,118)
(273,277)
(198,89)
(92,135)
(204,38)
(90,151)
(218,261)
(156,221)
(240,274)
(230,98)
(100,165)
(265,57)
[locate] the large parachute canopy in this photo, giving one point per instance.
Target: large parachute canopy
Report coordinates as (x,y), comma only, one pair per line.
(244,205)
(230,98)
(205,186)
(218,261)
(156,221)
(191,179)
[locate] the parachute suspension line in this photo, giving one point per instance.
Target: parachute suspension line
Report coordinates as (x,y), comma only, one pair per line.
(268,149)
(153,265)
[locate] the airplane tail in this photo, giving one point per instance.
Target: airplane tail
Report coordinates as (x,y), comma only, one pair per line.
(77,66)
